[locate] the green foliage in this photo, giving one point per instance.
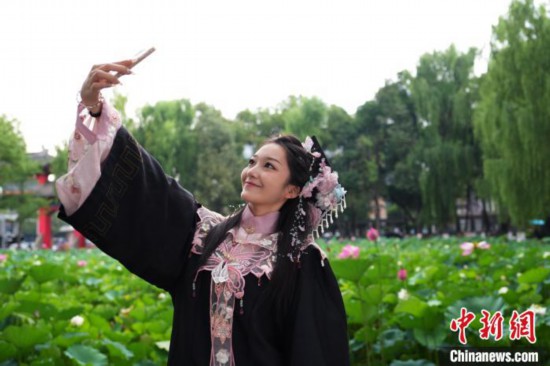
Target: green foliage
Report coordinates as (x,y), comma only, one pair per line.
(219,164)
(393,321)
(390,122)
(444,93)
(86,356)
(13,158)
(99,313)
(512,120)
(165,130)
(304,116)
(58,165)
(66,313)
(17,169)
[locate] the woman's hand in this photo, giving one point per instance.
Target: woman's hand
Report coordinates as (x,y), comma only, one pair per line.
(100,77)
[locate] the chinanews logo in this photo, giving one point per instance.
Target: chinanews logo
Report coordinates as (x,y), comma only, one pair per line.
(519,326)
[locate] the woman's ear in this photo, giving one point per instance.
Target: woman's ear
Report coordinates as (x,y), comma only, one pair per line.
(292,191)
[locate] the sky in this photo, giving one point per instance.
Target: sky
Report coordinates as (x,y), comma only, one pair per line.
(233,55)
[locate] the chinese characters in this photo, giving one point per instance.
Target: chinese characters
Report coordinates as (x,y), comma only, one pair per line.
(520,325)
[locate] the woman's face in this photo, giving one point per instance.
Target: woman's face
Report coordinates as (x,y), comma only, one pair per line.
(265,180)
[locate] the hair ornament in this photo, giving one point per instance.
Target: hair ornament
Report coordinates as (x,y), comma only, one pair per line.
(326,194)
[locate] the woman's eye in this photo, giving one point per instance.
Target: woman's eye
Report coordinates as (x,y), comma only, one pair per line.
(269,165)
(251,162)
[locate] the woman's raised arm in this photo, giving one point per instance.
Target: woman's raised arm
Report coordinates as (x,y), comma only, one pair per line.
(117,195)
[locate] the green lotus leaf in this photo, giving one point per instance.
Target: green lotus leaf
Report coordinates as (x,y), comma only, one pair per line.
(38,309)
(10,286)
(431,339)
(117,349)
(26,336)
(349,269)
(7,351)
(535,275)
(391,337)
(46,272)
(366,334)
(98,322)
(68,339)
(86,356)
(7,309)
(373,294)
(413,306)
(68,313)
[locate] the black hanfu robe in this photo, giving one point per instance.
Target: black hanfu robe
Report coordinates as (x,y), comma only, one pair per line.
(147,221)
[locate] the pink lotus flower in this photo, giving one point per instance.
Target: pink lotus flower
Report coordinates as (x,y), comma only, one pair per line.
(3,257)
(82,263)
(483,245)
(349,251)
(402,274)
(468,248)
(372,234)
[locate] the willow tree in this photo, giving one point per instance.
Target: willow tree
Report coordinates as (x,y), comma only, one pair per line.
(444,92)
(513,118)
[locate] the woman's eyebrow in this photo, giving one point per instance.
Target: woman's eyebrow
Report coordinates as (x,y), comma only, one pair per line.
(267,158)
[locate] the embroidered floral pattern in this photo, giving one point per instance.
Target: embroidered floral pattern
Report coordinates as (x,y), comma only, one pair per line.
(222,356)
(232,260)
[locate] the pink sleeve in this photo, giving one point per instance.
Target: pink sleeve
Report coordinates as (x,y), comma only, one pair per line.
(89,146)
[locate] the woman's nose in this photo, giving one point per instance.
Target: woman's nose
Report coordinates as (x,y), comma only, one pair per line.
(253,171)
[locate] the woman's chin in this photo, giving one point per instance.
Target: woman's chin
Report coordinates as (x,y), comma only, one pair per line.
(245,196)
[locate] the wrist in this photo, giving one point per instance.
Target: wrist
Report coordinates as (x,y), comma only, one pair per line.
(93,108)
(96,110)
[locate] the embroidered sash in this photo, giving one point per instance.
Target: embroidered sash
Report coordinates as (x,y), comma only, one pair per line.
(230,262)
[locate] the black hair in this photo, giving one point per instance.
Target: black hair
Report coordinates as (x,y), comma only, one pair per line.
(283,279)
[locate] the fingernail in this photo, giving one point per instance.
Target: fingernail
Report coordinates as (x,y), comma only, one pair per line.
(129,72)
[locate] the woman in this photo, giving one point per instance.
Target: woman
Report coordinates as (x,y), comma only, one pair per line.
(256,277)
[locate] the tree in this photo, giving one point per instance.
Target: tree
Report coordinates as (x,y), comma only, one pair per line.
(58,165)
(166,131)
(16,169)
(219,163)
(400,170)
(513,116)
(305,116)
(444,96)
(370,146)
(12,150)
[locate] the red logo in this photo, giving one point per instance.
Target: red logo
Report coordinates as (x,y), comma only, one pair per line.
(462,323)
(521,325)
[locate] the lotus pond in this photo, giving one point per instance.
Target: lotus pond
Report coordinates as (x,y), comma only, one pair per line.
(83,308)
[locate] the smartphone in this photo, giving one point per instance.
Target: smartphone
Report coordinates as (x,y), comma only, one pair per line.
(140,57)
